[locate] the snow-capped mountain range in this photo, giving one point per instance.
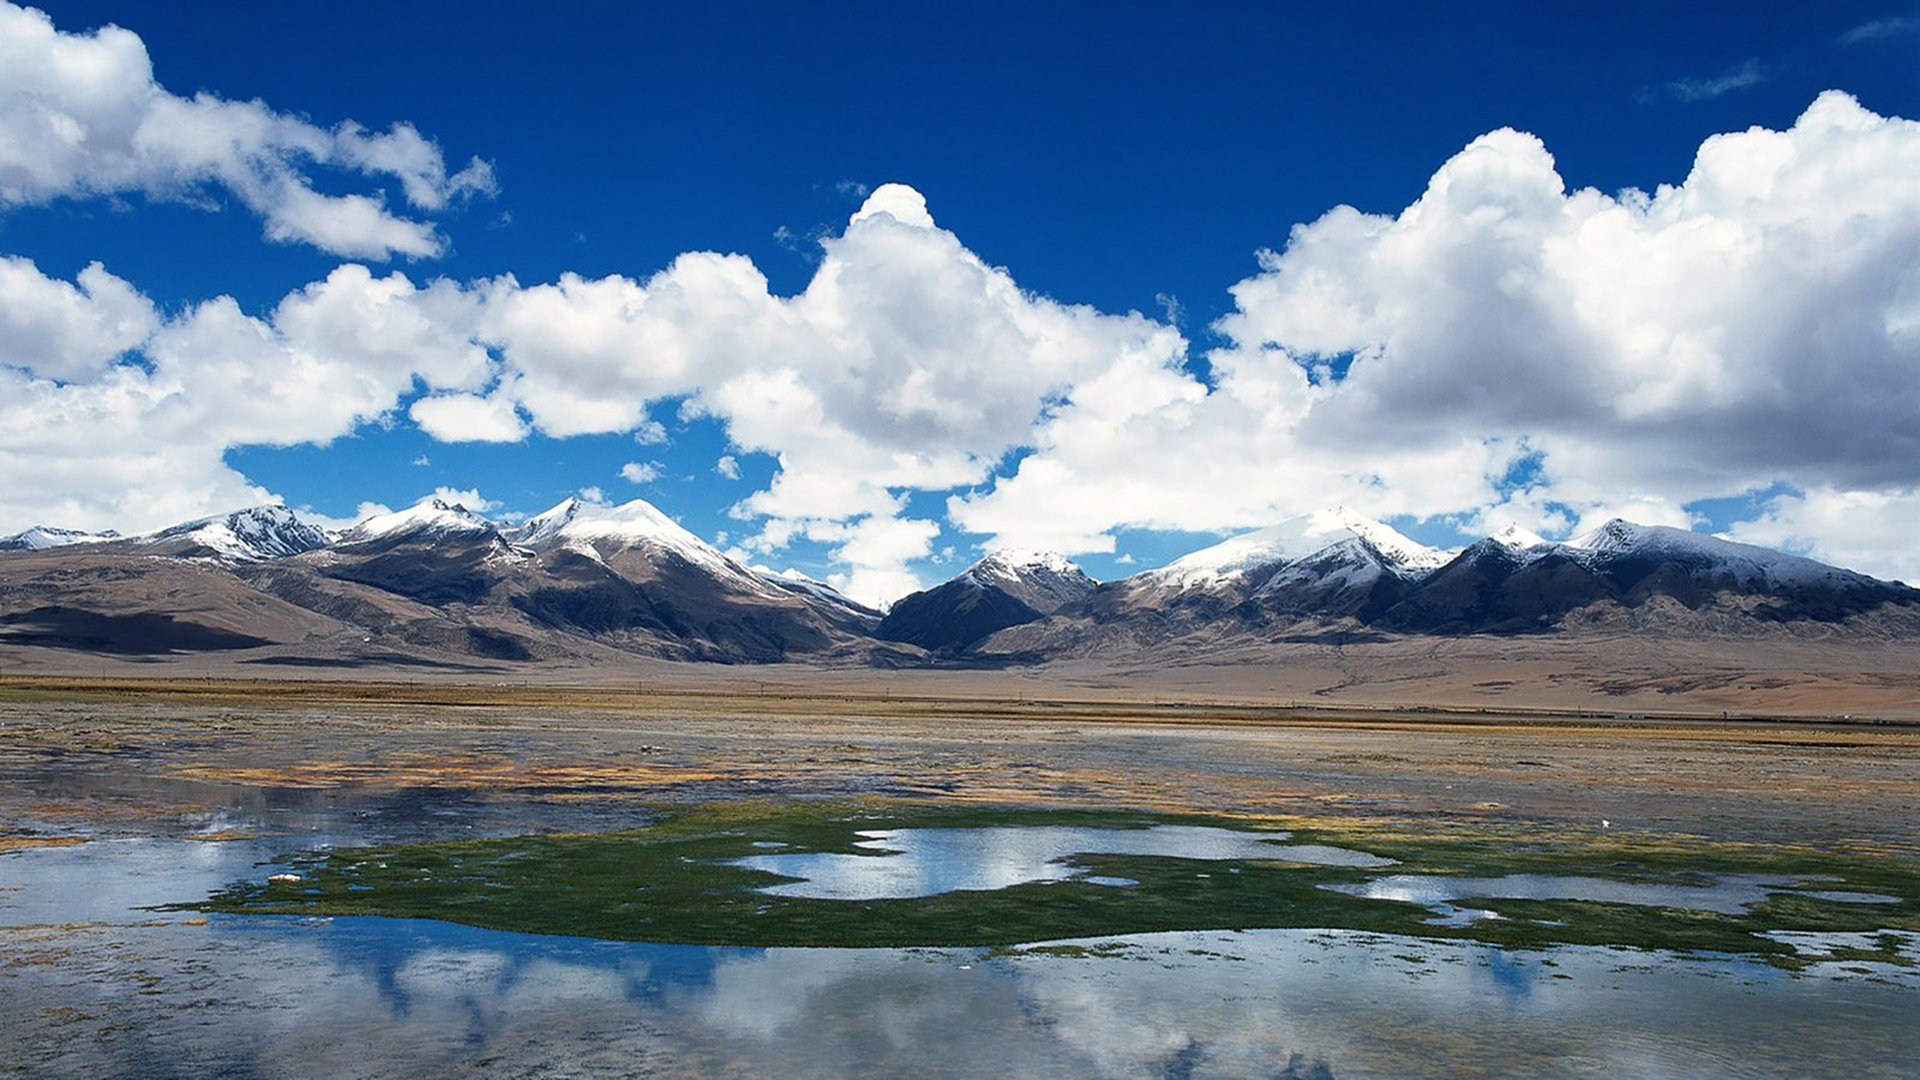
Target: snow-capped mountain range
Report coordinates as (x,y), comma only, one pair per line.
(1241,559)
(585,576)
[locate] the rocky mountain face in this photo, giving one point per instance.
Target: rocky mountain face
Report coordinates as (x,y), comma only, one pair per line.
(1004,589)
(439,585)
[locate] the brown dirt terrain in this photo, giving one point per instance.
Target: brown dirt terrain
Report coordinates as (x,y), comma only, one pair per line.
(1808,674)
(85,757)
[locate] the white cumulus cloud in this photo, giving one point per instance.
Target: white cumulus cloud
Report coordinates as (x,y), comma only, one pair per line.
(81,115)
(1757,323)
(469,417)
(1870,531)
(69,331)
(906,364)
(141,444)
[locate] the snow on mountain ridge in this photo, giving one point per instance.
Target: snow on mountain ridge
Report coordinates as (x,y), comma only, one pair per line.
(1517,538)
(1291,541)
(1022,568)
(255,534)
(795,581)
(430,516)
(574,522)
(1746,563)
(1021,559)
(42,537)
(544,525)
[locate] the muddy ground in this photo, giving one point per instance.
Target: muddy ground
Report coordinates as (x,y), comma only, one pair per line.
(90,760)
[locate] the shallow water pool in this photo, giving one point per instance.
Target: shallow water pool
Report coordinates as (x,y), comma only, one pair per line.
(907,863)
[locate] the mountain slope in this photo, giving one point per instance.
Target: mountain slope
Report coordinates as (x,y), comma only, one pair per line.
(1524,584)
(1330,566)
(1004,589)
(42,537)
(850,613)
(251,535)
(83,600)
(435,553)
(632,577)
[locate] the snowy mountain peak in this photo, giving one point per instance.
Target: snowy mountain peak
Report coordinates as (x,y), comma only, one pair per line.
(42,537)
(1292,540)
(629,523)
(1620,537)
(434,517)
(544,526)
(255,534)
(1041,580)
(1619,534)
(1517,538)
(1013,561)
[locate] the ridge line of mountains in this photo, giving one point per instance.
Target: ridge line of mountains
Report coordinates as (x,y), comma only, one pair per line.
(437,585)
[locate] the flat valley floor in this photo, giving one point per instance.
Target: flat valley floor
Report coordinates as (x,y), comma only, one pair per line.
(119,798)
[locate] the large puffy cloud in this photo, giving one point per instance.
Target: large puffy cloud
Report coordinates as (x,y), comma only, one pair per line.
(1869,530)
(904,342)
(69,331)
(92,443)
(80,115)
(1758,323)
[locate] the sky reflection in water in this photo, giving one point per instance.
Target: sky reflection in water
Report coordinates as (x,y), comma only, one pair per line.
(264,996)
(927,862)
(1727,894)
(273,997)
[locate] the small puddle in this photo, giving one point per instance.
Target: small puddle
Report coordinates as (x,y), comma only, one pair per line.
(908,863)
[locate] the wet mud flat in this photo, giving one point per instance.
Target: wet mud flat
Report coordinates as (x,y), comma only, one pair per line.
(140,933)
(139,750)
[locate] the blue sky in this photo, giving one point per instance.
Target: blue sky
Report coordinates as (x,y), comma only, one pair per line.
(1129,158)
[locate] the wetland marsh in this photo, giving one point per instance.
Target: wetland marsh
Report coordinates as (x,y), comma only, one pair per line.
(693,887)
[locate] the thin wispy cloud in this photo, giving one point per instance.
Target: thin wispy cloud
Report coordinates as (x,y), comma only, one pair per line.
(1740,77)
(1899,26)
